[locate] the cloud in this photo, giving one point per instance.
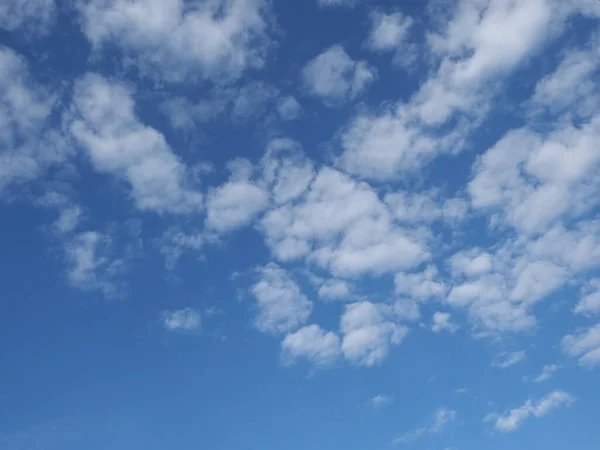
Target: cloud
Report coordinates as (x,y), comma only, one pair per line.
(186,320)
(442,322)
(34,17)
(335,77)
(506,360)
(28,147)
(175,41)
(388,30)
(117,143)
(585,345)
(237,202)
(368,331)
(311,343)
(589,304)
(547,373)
(420,286)
(380,400)
(334,289)
(282,307)
(344,227)
(514,418)
(441,418)
(91,264)
(472,263)
(288,108)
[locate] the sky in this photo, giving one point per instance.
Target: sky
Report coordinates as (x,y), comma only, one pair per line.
(316,224)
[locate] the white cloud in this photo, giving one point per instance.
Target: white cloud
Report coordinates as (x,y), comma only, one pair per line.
(27,147)
(571,88)
(472,263)
(334,289)
(590,302)
(506,360)
(369,330)
(286,170)
(106,126)
(335,77)
(282,307)
(420,286)
(388,30)
(288,108)
(344,227)
(537,180)
(514,418)
(91,266)
(186,319)
(442,322)
(178,41)
(547,373)
(236,202)
(312,343)
(380,400)
(585,345)
(32,16)
(441,418)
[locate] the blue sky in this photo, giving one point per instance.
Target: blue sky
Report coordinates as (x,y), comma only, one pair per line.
(318,224)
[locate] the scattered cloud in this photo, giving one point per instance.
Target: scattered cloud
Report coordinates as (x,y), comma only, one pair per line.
(388,30)
(334,290)
(441,418)
(442,322)
(312,343)
(585,345)
(368,331)
(380,400)
(281,305)
(514,418)
(186,320)
(506,360)
(548,372)
(335,77)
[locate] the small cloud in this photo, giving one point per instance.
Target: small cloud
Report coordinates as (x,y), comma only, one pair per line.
(380,400)
(442,322)
(514,418)
(441,418)
(506,360)
(547,373)
(186,320)
(460,391)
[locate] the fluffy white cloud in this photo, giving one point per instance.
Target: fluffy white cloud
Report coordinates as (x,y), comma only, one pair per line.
(471,263)
(590,302)
(547,373)
(335,77)
(312,343)
(236,202)
(186,319)
(388,30)
(514,418)
(106,126)
(334,289)
(506,360)
(420,286)
(536,180)
(288,108)
(585,345)
(344,227)
(32,16)
(178,41)
(282,307)
(570,88)
(369,330)
(27,147)
(91,264)
(442,322)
